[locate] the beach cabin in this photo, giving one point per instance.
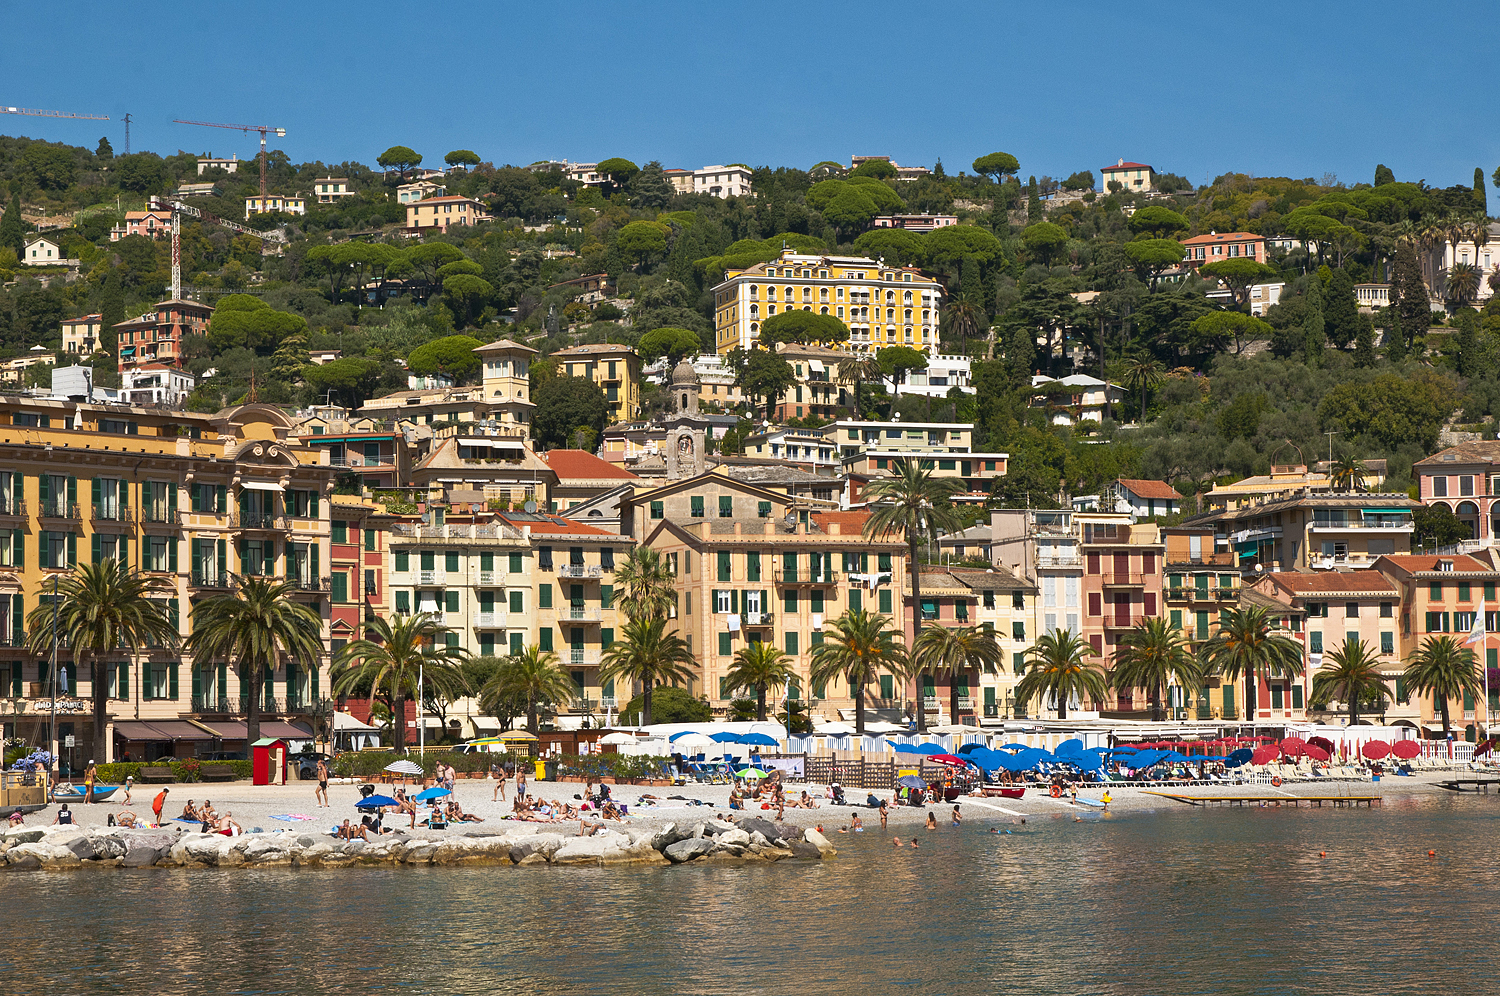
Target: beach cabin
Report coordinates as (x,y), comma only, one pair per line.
(268,761)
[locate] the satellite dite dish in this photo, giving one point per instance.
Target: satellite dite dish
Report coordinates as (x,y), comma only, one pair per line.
(530,506)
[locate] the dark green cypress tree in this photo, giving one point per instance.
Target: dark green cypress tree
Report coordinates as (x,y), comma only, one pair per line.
(1481,198)
(13,229)
(1340,309)
(1364,342)
(1383,175)
(1314,338)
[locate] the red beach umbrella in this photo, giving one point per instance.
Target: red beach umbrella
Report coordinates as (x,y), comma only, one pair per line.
(1322,742)
(1375,749)
(1294,747)
(1265,754)
(1317,753)
(1406,749)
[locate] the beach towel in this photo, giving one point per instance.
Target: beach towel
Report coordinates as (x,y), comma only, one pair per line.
(179,819)
(291,817)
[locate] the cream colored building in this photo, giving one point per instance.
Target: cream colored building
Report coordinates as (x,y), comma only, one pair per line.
(80,335)
(329,189)
(616,369)
(441,212)
(267,203)
(507,380)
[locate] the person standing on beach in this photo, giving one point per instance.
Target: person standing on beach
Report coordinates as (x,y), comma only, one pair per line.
(158,804)
(499,792)
(129,784)
(958,817)
(883,814)
(89,774)
(320,795)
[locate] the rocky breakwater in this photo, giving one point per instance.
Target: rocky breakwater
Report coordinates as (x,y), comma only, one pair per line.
(514,844)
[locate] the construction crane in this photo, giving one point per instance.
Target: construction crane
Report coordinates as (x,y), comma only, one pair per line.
(247,129)
(178,210)
(51,114)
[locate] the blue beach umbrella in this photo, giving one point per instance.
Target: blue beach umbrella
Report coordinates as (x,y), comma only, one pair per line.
(911,782)
(436,792)
(375,802)
(725,737)
(757,740)
(1239,757)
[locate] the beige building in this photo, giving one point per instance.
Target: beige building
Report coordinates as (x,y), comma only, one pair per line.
(507,380)
(329,189)
(441,212)
(1314,531)
(80,335)
(267,203)
(616,369)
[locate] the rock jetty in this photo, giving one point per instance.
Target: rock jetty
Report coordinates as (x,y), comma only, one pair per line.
(748,840)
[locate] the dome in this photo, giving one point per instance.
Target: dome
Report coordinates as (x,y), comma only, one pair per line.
(683,375)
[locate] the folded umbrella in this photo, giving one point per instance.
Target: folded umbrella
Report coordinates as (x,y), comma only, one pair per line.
(404,767)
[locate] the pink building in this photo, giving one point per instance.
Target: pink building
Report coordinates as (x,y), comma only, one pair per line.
(1215,247)
(152,224)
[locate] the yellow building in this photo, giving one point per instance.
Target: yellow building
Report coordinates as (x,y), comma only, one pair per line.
(616,369)
(507,380)
(267,203)
(190,499)
(882,305)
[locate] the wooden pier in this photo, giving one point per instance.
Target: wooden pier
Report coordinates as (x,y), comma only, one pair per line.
(1291,801)
(1471,784)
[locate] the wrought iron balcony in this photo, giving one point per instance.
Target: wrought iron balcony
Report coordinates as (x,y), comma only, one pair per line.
(208,580)
(111,512)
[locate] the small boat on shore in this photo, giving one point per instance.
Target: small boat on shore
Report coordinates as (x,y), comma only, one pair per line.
(1003,792)
(75,793)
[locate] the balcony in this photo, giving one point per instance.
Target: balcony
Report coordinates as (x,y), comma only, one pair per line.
(759,619)
(54,508)
(12,507)
(1116,621)
(431,577)
(1059,560)
(1128,579)
(208,580)
(569,613)
(579,571)
(581,658)
(258,521)
(159,515)
(1203,594)
(1335,561)
(372,463)
(784,576)
(490,579)
(489,620)
(218,705)
(111,512)
(1360,525)
(308,584)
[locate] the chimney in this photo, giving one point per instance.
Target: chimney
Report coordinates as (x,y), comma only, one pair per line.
(1120,162)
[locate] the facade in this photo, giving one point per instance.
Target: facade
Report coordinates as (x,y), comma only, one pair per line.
(1146,499)
(906,305)
(42,251)
(377,453)
(410,193)
(590,289)
(1218,246)
(155,338)
(1285,481)
(1134,177)
(156,384)
(441,212)
(1122,587)
(944,372)
(80,335)
(1314,532)
(722,181)
(1200,585)
(920,223)
(426,406)
(507,381)
(616,369)
(1075,398)
(329,189)
(193,500)
(358,564)
(231,165)
(490,458)
(152,224)
(267,203)
(805,448)
(1440,257)
(1465,479)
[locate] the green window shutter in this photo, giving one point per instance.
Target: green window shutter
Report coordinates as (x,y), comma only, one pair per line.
(544,640)
(450,599)
(145,493)
(606,636)
(340,530)
(122,683)
(195,494)
(726,506)
(724,569)
(94,492)
(94,548)
(734,600)
(450,561)
(427,560)
(44,552)
(515,563)
(487,602)
(1176,618)
(450,639)
(44,488)
(791,644)
(657,510)
(72,490)
(222,496)
(487,644)
(172,553)
(369,541)
(885,563)
(789,602)
(312,511)
(73,549)
(516,646)
(270,551)
(726,644)
(487,561)
(817,602)
(856,600)
(339,584)
(403,560)
(312,552)
(223,561)
(403,599)
(195,551)
(17,620)
(18,548)
(197,683)
(697,506)
(752,565)
(173,690)
(885,600)
(606,596)
(815,639)
(544,596)
(516,602)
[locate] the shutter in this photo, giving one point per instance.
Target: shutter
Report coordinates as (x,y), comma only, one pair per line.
(244,504)
(221,566)
(270,557)
(17,622)
(403,561)
(122,683)
(486,561)
(172,553)
(197,685)
(451,601)
(312,680)
(312,504)
(44,549)
(197,497)
(195,550)
(242,546)
(44,488)
(15,677)
(72,549)
(223,499)
(223,682)
(734,600)
(94,545)
(172,687)
(18,549)
(72,490)
(96,494)
(171,499)
(312,553)
(146,495)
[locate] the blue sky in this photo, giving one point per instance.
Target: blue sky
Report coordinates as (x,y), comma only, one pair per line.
(1273,89)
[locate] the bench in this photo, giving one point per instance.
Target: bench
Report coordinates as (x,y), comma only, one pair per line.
(216,773)
(149,775)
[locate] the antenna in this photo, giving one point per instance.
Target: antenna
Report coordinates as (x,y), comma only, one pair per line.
(127,134)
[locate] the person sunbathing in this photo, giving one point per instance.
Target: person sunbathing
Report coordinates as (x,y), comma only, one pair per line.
(611,812)
(347,832)
(228,827)
(808,801)
(190,812)
(126,819)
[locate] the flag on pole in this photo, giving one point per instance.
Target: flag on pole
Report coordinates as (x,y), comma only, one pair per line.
(1476,632)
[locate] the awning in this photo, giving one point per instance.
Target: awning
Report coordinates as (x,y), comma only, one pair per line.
(161,730)
(815,365)
(1385,511)
(137,731)
(345,723)
(259,486)
(235,729)
(224,729)
(284,731)
(485,723)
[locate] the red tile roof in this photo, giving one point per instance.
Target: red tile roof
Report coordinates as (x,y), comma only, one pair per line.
(583,465)
(1223,237)
(1416,563)
(541,523)
(848,522)
(1151,489)
(1120,166)
(1333,581)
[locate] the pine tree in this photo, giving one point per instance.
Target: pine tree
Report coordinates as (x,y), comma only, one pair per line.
(105,151)
(13,229)
(1383,175)
(1340,309)
(1314,340)
(1364,342)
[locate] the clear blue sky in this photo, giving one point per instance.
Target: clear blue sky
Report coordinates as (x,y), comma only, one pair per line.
(1273,89)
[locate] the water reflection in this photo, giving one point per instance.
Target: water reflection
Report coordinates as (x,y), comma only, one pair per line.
(1179,901)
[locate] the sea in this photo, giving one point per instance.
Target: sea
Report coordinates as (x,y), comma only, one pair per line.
(1393,900)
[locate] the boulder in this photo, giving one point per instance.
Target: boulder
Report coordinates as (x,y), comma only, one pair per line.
(107,847)
(263,851)
(21,857)
(717,826)
(736,837)
(307,840)
(146,848)
(756,837)
(202,848)
(755,825)
(687,850)
(24,835)
(315,853)
(77,845)
(667,836)
(806,850)
(819,841)
(41,855)
(583,850)
(418,852)
(788,831)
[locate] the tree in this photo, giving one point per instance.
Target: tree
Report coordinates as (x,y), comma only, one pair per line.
(879,169)
(1220,327)
(1247,646)
(955,652)
(759,667)
(896,361)
(1152,656)
(670,704)
(644,585)
(854,372)
(1044,240)
(1155,256)
(766,376)
(802,327)
(650,189)
(399,158)
(428,258)
(856,647)
(1348,472)
(391,658)
(1435,526)
(1143,374)
(1409,303)
(1238,275)
(452,355)
(949,246)
(1060,669)
(896,246)
(851,210)
(566,404)
(1081,180)
(467,295)
(51,167)
(645,653)
(1462,284)
(1158,222)
(620,172)
(997,166)
(1481,197)
(465,158)
(1444,669)
(105,151)
(672,343)
(531,676)
(254,629)
(1341,322)
(99,610)
(143,172)
(354,378)
(1350,674)
(915,504)
(1383,175)
(241,321)
(1314,339)
(1392,409)
(13,229)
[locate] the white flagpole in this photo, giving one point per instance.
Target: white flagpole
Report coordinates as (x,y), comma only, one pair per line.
(1479,633)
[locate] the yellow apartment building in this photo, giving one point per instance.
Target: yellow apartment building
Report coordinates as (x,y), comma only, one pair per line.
(616,369)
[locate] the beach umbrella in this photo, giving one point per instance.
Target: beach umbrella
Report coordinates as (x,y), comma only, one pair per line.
(725,737)
(948,759)
(1316,753)
(375,802)
(1322,742)
(1239,757)
(930,749)
(904,748)
(751,773)
(1408,749)
(757,740)
(433,793)
(1375,749)
(1265,754)
(1069,747)
(911,782)
(1293,747)
(687,740)
(617,739)
(404,767)
(1088,760)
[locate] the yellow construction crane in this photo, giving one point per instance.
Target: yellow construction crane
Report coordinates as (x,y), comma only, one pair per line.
(247,129)
(51,114)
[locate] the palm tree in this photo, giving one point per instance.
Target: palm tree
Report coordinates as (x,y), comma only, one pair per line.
(1447,669)
(855,371)
(99,609)
(644,584)
(956,652)
(759,666)
(914,503)
(857,646)
(1348,472)
(1143,374)
(1060,668)
(253,629)
(645,652)
(391,658)
(964,317)
(1350,675)
(1246,646)
(530,676)
(1152,656)
(1463,284)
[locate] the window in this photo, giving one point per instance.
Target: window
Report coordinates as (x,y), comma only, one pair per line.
(723,601)
(657,510)
(763,510)
(1387,610)
(752,566)
(517,602)
(697,506)
(544,596)
(724,565)
(341,533)
(370,540)
(726,507)
(1440,487)
(791,643)
(1315,642)
(1463,593)
(403,603)
(726,645)
(1387,643)
(1351,610)
(789,602)
(1435,591)
(450,561)
(515,563)
(885,600)
(340,590)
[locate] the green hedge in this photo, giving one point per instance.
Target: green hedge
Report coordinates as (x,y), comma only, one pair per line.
(182,771)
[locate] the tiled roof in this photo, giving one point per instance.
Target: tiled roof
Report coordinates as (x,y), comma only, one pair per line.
(1223,237)
(1475,451)
(1151,489)
(996,578)
(572,465)
(1416,563)
(540,523)
(1333,581)
(1117,166)
(848,522)
(595,348)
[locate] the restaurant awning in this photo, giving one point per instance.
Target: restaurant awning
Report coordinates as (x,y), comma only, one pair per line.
(260,486)
(224,729)
(234,729)
(161,730)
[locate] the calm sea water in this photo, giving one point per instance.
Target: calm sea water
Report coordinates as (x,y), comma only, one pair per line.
(1175,901)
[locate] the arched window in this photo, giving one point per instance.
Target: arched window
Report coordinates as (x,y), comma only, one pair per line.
(823,310)
(906,315)
(906,297)
(755,311)
(770,293)
(754,292)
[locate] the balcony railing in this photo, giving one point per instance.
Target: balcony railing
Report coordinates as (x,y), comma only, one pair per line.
(455,530)
(785,576)
(1059,561)
(583,658)
(157,513)
(303,583)
(431,577)
(219,705)
(490,579)
(1116,621)
(12,506)
(208,580)
(489,620)
(759,618)
(53,508)
(1124,579)
(111,512)
(579,571)
(569,613)
(257,520)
